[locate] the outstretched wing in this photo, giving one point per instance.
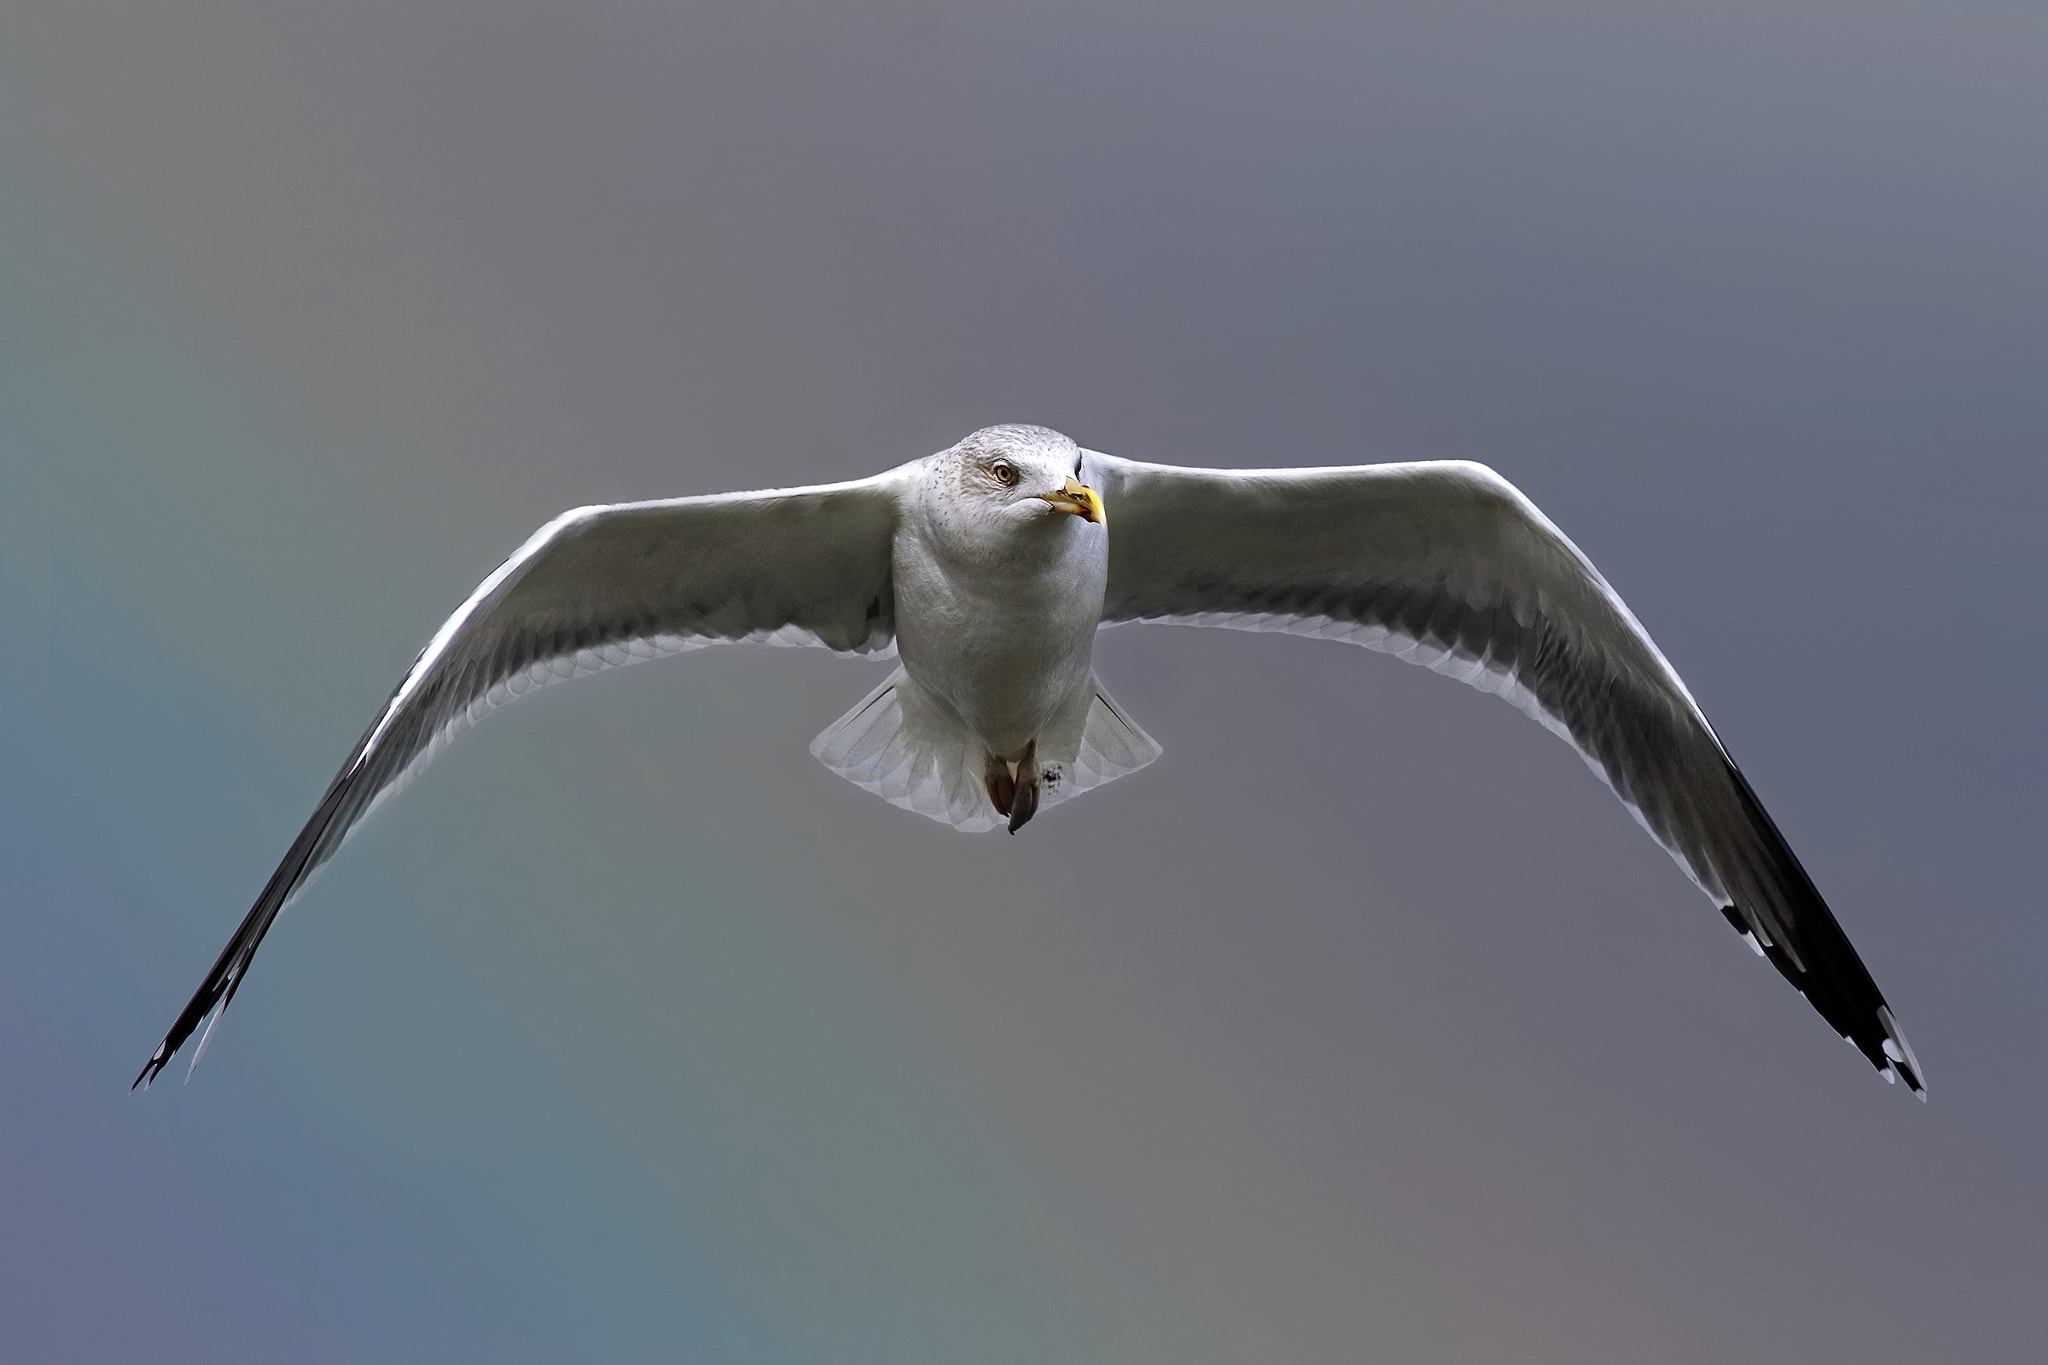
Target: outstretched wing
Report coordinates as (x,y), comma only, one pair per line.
(1446,565)
(595,588)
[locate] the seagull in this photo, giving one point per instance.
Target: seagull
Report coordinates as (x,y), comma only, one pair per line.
(987,569)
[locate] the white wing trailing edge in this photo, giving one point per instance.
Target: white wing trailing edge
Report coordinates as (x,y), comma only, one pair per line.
(1447,565)
(597,587)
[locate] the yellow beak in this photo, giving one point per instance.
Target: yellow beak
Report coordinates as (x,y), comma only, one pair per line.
(1078,498)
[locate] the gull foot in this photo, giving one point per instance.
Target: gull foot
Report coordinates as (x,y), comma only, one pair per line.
(1013,787)
(1002,788)
(1024,803)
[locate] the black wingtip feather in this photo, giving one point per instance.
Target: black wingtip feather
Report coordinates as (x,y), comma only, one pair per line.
(218,989)
(1821,962)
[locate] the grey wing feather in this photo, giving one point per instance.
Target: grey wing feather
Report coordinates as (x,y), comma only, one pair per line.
(596,588)
(1447,565)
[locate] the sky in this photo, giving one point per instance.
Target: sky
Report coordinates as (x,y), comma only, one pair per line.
(1364,1025)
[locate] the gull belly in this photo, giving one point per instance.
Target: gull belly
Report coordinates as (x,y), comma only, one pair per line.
(1002,638)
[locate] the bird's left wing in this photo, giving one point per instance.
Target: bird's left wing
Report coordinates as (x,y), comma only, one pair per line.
(1445,564)
(595,588)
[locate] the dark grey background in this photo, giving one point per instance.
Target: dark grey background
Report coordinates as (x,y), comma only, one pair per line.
(1365,1025)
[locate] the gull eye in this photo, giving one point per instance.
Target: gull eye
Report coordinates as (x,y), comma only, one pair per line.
(1005,472)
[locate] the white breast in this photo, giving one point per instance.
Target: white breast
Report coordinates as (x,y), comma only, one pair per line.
(999,624)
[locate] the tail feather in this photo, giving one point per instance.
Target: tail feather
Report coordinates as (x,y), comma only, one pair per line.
(1103,746)
(899,745)
(912,752)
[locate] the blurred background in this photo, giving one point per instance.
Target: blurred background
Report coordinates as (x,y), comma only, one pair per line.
(1363,1026)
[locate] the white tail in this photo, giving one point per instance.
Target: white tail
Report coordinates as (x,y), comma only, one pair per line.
(913,753)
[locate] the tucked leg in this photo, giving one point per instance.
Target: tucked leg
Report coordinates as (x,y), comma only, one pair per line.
(1024,801)
(1002,788)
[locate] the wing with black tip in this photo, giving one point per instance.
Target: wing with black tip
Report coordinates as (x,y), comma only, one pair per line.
(1446,565)
(596,588)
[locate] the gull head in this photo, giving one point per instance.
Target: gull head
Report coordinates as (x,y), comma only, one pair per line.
(1007,490)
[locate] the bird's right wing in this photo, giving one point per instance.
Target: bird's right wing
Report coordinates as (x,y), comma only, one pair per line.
(595,588)
(1446,564)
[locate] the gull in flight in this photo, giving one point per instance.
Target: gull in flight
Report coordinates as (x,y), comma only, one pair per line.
(987,569)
